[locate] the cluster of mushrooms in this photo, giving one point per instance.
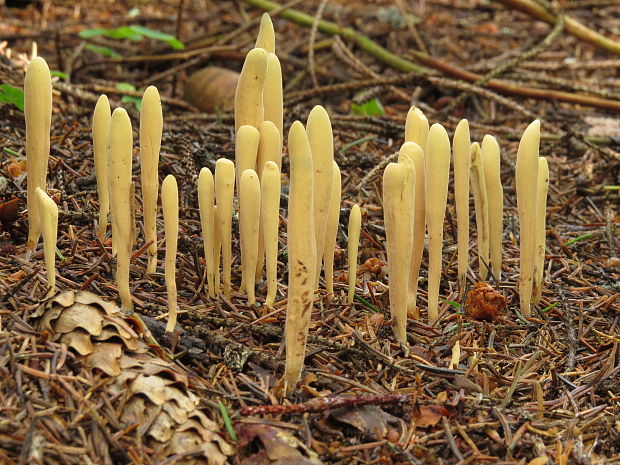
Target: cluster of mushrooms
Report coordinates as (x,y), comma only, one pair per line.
(415,191)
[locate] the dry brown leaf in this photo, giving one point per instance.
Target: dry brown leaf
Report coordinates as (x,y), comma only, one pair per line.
(278,447)
(78,340)
(368,419)
(430,415)
(105,357)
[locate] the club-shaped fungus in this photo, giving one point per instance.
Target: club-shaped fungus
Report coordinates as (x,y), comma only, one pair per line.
(170,209)
(249,94)
(249,216)
(461,150)
(355,224)
(495,199)
(101,121)
(479,188)
(224,192)
(206,200)
(541,228)
(270,221)
(48,212)
(331,230)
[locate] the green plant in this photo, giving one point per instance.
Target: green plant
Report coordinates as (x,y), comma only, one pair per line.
(133,32)
(126,87)
(370,108)
(10,94)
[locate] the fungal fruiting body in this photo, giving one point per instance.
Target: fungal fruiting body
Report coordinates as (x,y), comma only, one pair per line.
(482,209)
(461,158)
(495,199)
(266,38)
(526,180)
(217,249)
(48,212)
(270,220)
(101,121)
(224,192)
(320,136)
(398,234)
(541,228)
(206,196)
(246,149)
(272,94)
(416,155)
(416,127)
(120,146)
(331,229)
(170,209)
(355,224)
(151,127)
(437,169)
(301,252)
(249,94)
(38,113)
(249,215)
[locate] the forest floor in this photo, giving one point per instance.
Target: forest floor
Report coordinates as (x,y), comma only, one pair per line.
(540,390)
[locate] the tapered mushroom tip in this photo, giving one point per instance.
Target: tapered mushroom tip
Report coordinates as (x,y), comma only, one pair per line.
(438,129)
(271,166)
(169,182)
(38,64)
(102,100)
(297,129)
(257,53)
(266,18)
(463,125)
(119,114)
(317,110)
(488,139)
(247,130)
(151,90)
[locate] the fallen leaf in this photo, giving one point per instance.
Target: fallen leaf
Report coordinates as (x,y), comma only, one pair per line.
(9,211)
(275,447)
(484,302)
(430,415)
(368,419)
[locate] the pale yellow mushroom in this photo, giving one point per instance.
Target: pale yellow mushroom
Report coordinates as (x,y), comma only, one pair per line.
(38,113)
(398,235)
(120,147)
(266,38)
(526,177)
(151,127)
(249,215)
(224,192)
(541,228)
(272,94)
(461,150)
(301,253)
(321,140)
(101,121)
(355,224)
(48,212)
(416,127)
(481,204)
(270,221)
(246,150)
(170,209)
(437,169)
(331,230)
(249,94)
(206,196)
(416,155)
(495,198)
(217,249)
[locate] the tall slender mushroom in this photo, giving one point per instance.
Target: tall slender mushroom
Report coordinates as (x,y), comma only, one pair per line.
(301,252)
(416,155)
(437,169)
(206,195)
(398,235)
(224,192)
(541,228)
(272,94)
(170,209)
(495,198)
(120,147)
(249,215)
(331,230)
(101,121)
(526,172)
(217,249)
(270,220)
(355,224)
(249,94)
(481,203)
(246,150)
(151,127)
(266,38)
(48,212)
(38,113)
(416,127)
(319,130)
(461,154)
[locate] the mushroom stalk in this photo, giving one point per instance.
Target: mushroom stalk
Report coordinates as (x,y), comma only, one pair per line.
(482,209)
(170,209)
(249,215)
(321,140)
(249,94)
(415,154)
(527,171)
(272,94)
(224,192)
(38,113)
(398,234)
(301,252)
(246,150)
(541,227)
(331,229)
(416,127)
(462,153)
(266,38)
(437,169)
(217,249)
(101,121)
(355,224)
(151,127)
(270,220)
(205,204)
(48,211)
(495,199)
(120,146)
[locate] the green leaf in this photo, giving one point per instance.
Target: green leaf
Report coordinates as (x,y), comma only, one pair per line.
(125,32)
(59,74)
(227,422)
(370,108)
(158,35)
(452,304)
(579,238)
(105,51)
(10,94)
(125,87)
(90,33)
